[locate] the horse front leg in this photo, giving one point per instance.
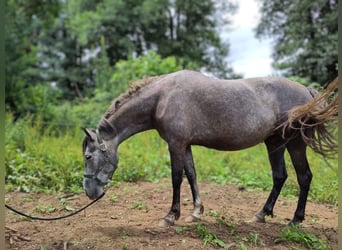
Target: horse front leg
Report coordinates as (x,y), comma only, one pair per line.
(191,176)
(177,156)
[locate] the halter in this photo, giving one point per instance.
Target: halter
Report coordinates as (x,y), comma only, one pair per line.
(103,147)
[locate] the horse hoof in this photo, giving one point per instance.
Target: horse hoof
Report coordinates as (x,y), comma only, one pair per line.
(255,219)
(258,218)
(165,223)
(192,218)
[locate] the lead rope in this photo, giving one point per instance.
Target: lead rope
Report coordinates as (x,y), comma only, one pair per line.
(54,218)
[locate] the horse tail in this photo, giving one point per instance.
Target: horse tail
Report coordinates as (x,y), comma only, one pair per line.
(317,120)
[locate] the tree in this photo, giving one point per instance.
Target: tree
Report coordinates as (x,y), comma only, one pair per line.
(305,34)
(185,29)
(72,46)
(62,61)
(26,22)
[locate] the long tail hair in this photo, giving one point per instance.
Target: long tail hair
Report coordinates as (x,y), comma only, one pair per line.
(320,114)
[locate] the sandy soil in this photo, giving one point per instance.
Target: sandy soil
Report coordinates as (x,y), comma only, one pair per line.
(128,216)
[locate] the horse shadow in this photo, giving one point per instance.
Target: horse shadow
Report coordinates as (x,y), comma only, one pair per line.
(228,233)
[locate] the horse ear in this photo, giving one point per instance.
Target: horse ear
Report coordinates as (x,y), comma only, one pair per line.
(89,133)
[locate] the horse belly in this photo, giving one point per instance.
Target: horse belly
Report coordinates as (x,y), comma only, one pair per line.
(235,133)
(232,142)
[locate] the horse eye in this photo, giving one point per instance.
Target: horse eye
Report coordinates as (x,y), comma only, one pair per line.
(88,156)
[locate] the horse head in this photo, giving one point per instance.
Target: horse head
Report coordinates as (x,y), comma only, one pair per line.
(100,162)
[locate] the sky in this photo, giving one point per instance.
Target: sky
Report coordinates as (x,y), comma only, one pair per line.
(248,55)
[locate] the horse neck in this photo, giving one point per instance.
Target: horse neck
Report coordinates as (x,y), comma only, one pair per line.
(133,117)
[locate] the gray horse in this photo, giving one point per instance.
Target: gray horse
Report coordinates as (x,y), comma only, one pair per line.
(188,108)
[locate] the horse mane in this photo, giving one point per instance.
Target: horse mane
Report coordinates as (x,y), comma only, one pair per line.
(124,97)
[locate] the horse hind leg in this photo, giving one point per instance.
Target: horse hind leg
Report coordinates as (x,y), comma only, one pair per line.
(275,148)
(190,173)
(297,151)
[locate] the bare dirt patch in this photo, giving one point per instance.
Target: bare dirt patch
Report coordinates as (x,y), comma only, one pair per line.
(128,216)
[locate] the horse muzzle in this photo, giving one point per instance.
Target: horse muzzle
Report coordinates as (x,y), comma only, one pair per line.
(92,188)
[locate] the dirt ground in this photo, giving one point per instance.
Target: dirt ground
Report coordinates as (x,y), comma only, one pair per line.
(128,216)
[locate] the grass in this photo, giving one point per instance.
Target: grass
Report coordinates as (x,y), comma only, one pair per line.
(45,209)
(222,234)
(308,240)
(180,230)
(230,227)
(208,237)
(139,205)
(38,160)
(289,234)
(64,203)
(253,239)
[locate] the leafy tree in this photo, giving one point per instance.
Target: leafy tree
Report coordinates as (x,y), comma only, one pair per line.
(194,34)
(62,60)
(72,47)
(185,29)
(26,22)
(305,34)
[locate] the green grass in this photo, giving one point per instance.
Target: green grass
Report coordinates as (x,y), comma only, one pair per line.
(308,240)
(207,236)
(216,235)
(221,220)
(139,205)
(38,160)
(253,239)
